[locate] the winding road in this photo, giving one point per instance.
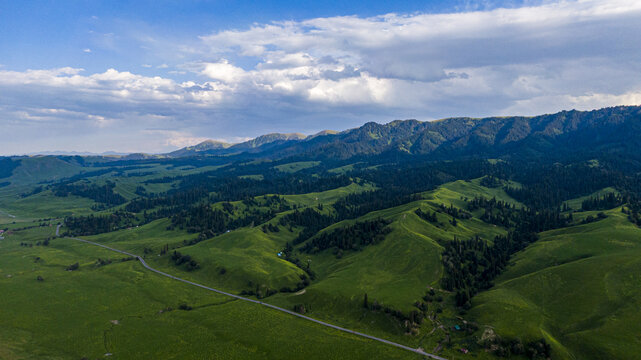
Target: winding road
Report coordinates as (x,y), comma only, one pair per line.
(142,261)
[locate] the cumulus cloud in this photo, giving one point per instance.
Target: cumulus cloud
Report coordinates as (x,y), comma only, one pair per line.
(339,72)
(548,103)
(419,61)
(223,71)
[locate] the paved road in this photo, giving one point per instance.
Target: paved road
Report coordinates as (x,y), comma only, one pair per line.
(9,215)
(142,261)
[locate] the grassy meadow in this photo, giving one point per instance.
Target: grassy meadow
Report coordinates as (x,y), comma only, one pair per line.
(126,311)
(576,287)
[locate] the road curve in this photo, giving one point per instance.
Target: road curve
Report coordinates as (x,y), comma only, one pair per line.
(142,261)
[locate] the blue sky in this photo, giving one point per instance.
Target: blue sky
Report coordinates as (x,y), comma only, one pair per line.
(152,76)
(44,34)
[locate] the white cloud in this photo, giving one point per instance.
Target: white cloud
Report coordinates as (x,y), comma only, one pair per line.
(420,61)
(223,71)
(71,105)
(176,139)
(87,50)
(354,90)
(549,103)
(339,72)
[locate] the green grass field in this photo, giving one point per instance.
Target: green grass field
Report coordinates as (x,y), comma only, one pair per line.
(123,309)
(396,272)
(455,192)
(342,169)
(577,287)
(296,166)
(45,204)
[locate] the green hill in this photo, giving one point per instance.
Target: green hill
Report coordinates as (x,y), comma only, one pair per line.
(576,287)
(121,309)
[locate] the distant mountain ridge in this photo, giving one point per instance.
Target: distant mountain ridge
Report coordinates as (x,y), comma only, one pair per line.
(612,129)
(258,144)
(204,146)
(77,153)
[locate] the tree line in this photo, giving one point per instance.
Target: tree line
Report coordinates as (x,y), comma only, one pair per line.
(604,202)
(102,194)
(350,237)
(472,265)
(97,224)
(309,219)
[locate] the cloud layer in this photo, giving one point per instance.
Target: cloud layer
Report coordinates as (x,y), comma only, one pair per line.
(335,73)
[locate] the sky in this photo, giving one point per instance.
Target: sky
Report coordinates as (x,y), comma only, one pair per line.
(154,76)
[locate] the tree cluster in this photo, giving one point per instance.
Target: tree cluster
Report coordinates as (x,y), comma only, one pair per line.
(496,212)
(454,212)
(491,181)
(185,261)
(267,228)
(604,202)
(590,219)
(260,291)
(351,237)
(101,194)
(7,165)
(311,220)
(288,254)
(547,186)
(633,210)
(201,218)
(355,205)
(97,224)
(472,265)
(426,215)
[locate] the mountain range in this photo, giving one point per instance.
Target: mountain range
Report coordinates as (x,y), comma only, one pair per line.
(614,130)
(609,130)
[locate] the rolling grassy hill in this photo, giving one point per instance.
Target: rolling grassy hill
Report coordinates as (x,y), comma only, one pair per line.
(128,312)
(575,204)
(577,287)
(396,272)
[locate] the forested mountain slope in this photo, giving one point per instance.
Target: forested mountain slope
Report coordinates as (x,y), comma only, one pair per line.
(610,130)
